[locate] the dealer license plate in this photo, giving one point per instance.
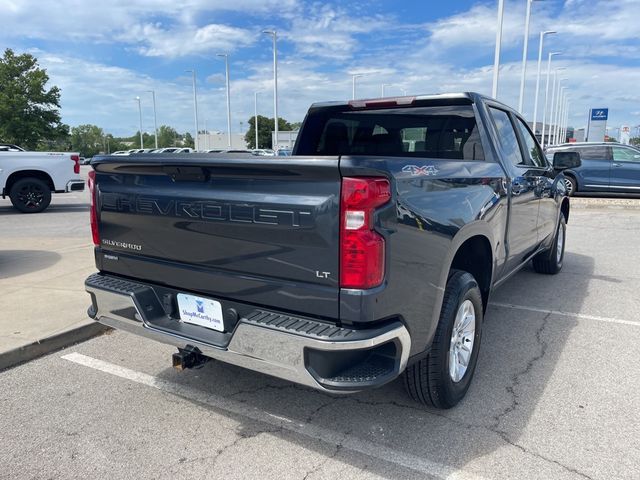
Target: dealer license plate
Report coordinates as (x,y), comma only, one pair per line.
(201,311)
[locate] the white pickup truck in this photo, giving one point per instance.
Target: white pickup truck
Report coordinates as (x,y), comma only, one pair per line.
(29,178)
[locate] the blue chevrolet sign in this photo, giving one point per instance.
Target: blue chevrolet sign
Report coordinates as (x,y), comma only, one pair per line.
(599,113)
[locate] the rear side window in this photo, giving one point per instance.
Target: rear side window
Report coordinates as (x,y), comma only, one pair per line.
(507,136)
(447,132)
(593,153)
(621,154)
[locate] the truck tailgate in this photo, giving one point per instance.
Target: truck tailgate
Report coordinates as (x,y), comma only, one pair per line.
(258,230)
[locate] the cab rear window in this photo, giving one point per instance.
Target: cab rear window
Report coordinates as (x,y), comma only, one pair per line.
(447,132)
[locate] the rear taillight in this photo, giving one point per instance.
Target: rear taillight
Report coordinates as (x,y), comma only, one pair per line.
(76,165)
(361,247)
(93,214)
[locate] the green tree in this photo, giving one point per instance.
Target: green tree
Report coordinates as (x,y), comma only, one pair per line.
(28,111)
(187,140)
(88,140)
(635,141)
(114,144)
(167,136)
(265,127)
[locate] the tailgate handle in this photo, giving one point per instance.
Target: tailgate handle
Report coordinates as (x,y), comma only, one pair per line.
(186,174)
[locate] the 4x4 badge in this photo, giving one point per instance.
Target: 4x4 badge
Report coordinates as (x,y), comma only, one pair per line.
(416,171)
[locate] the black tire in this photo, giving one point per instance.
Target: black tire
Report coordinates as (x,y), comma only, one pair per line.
(550,261)
(30,195)
(428,381)
(571,185)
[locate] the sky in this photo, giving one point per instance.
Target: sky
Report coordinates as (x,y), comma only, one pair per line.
(103,54)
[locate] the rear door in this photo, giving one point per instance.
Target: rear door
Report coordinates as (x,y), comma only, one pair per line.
(535,159)
(625,169)
(522,233)
(595,172)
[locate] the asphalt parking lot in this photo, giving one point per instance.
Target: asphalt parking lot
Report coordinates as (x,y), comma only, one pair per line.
(555,394)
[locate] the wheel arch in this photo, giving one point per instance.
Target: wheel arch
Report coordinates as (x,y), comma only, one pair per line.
(564,209)
(475,256)
(473,237)
(20,174)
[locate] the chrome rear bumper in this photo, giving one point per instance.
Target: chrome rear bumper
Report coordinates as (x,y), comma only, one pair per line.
(301,350)
(74,186)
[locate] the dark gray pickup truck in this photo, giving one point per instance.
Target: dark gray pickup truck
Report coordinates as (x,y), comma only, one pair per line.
(370,253)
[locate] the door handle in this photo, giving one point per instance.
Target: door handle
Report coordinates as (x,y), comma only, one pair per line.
(616,165)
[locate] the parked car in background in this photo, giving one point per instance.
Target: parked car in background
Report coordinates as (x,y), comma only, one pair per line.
(604,167)
(8,147)
(29,178)
(263,152)
(283,152)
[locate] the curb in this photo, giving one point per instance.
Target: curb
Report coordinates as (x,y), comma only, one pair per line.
(38,348)
(603,206)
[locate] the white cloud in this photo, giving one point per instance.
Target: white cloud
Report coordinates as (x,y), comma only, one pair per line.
(329,43)
(153,40)
(330,32)
(100,20)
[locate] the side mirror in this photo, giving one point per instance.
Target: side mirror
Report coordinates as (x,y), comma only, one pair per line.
(564,160)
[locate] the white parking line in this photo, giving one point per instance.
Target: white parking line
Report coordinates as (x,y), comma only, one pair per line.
(314,432)
(566,314)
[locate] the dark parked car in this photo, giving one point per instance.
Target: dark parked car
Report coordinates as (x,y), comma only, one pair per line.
(369,253)
(604,167)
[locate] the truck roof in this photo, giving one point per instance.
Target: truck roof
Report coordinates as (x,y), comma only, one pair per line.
(457,97)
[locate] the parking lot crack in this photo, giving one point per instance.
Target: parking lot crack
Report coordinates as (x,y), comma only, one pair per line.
(516,378)
(240,437)
(542,457)
(326,460)
(318,409)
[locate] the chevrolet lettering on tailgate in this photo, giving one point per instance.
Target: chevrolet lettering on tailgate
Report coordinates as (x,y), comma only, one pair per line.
(206,210)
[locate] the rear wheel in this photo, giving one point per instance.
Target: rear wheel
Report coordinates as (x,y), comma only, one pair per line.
(442,379)
(550,261)
(30,195)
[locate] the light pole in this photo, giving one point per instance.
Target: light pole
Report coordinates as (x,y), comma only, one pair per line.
(554,104)
(384,85)
(255,115)
(353,84)
(535,101)
(525,49)
(140,115)
(565,120)
(274,34)
(551,105)
(546,96)
(559,105)
(496,60)
(226,68)
(155,117)
(195,108)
